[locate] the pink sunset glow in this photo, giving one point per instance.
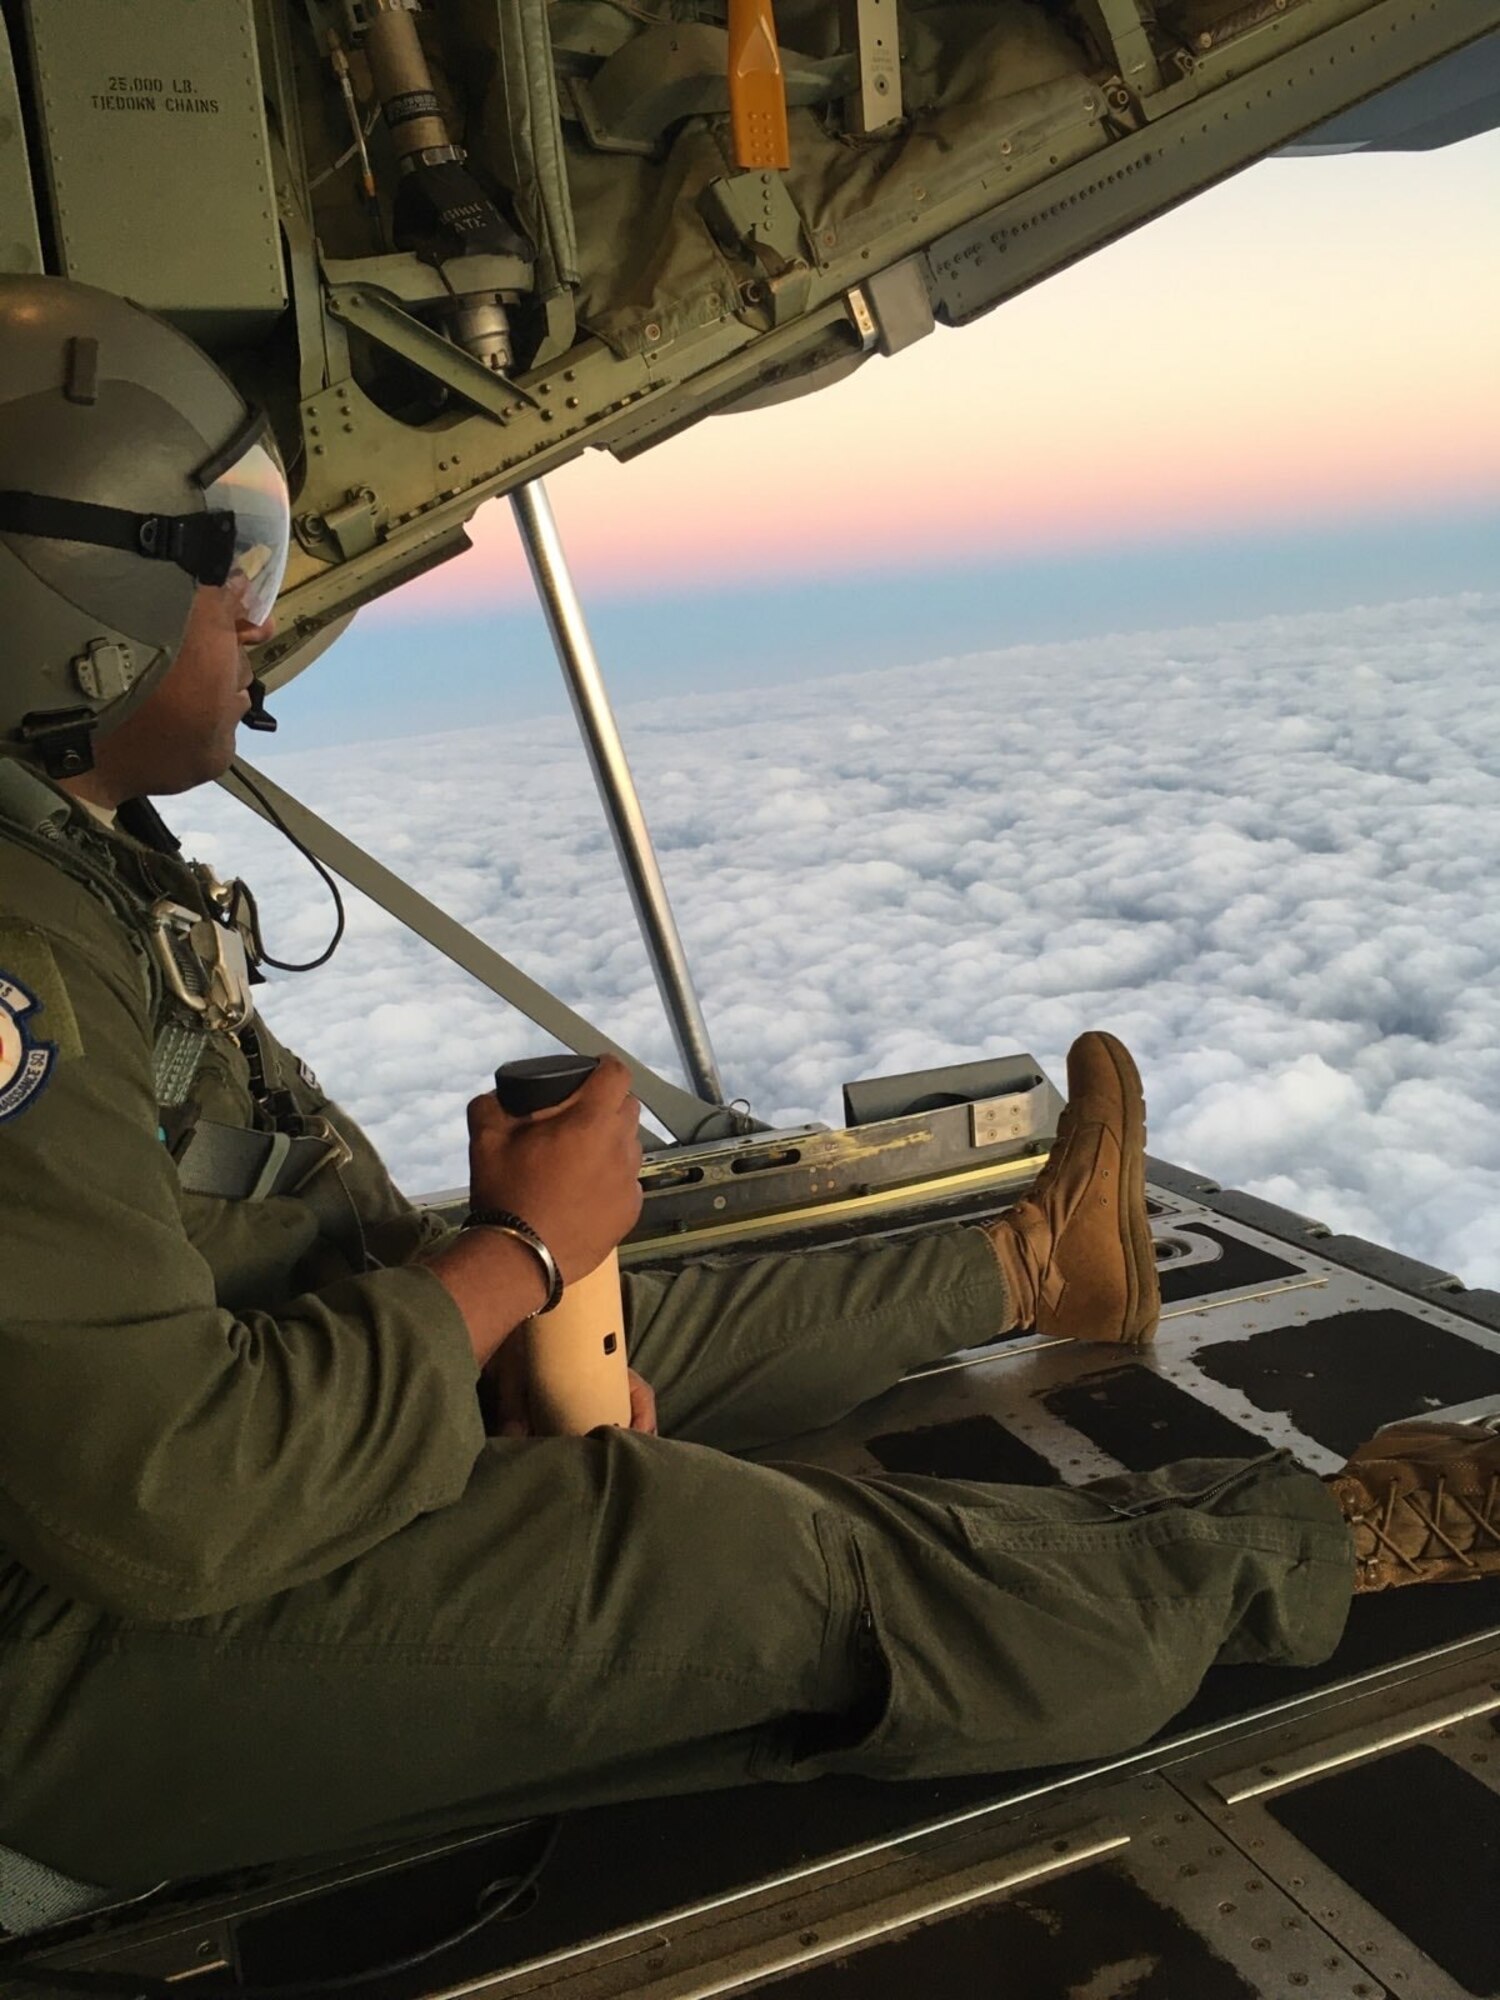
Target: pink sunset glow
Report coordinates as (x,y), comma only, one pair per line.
(1259,358)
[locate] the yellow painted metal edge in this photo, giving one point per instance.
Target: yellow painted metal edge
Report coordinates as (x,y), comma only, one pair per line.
(1003,1174)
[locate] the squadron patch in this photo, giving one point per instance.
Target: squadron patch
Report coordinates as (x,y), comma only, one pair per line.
(25,1064)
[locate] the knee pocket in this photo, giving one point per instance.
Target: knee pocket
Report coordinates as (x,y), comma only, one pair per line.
(855,1674)
(908,1651)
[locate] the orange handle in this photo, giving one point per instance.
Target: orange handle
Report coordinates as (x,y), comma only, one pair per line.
(757,87)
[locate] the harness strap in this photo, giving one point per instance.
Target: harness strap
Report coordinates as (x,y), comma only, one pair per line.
(238,1164)
(179,1046)
(35,818)
(175,1060)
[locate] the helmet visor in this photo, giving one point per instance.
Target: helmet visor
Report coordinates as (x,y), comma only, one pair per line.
(254,490)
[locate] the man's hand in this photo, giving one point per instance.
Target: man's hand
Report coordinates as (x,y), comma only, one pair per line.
(572,1172)
(505,1373)
(642,1405)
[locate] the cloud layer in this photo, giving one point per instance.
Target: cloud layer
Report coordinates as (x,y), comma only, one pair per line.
(1264,853)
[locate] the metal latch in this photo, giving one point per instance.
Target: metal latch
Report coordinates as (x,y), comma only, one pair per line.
(354,526)
(754,215)
(863,318)
(338,1154)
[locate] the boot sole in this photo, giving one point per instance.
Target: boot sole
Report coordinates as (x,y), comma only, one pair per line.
(1143,1291)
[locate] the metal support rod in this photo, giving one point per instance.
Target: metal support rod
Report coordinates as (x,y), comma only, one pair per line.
(575,653)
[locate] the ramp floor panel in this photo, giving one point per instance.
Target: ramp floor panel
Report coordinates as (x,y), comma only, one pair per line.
(1419,1840)
(1049,1941)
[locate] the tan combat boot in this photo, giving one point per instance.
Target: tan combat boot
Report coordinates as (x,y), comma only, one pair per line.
(1423,1501)
(1076,1251)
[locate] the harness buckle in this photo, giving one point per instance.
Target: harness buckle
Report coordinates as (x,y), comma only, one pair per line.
(339,1152)
(204,963)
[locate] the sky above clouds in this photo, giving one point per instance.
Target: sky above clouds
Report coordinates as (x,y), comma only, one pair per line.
(1264,852)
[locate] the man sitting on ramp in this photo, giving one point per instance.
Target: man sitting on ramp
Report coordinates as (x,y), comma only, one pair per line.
(266,1587)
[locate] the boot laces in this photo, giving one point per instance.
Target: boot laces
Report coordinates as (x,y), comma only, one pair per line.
(1483,1519)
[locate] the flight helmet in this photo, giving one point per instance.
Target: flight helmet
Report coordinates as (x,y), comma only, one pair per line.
(131,470)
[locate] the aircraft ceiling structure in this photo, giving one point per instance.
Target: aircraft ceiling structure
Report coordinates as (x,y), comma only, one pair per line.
(575,256)
(1457,98)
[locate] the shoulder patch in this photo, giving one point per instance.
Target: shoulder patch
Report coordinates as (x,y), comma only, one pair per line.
(27,958)
(26,1064)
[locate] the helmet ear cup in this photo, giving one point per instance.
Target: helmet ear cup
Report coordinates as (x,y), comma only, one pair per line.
(71,667)
(77,597)
(152,409)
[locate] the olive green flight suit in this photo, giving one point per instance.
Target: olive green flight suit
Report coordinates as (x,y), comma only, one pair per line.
(266,1589)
